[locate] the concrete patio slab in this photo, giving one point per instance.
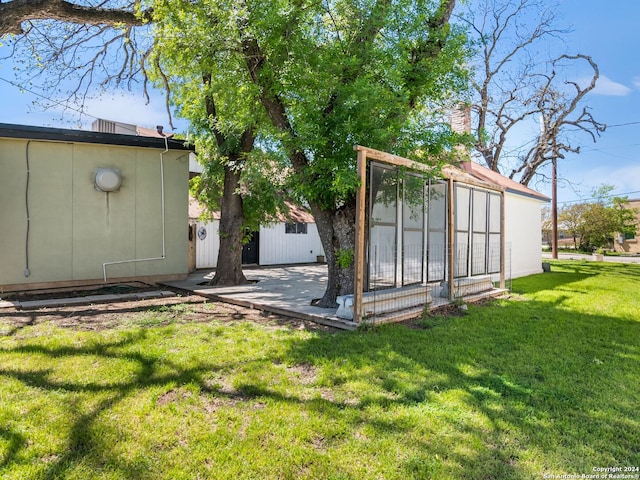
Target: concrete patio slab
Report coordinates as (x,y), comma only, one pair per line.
(284,290)
(290,291)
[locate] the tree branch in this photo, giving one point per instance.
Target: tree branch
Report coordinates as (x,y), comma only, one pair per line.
(15,12)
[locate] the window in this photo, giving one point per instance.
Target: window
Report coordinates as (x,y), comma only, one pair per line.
(295,227)
(629,236)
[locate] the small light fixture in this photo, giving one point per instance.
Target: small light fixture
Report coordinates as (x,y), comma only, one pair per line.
(108,179)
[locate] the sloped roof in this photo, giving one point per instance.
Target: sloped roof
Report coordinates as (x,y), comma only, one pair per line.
(296,213)
(152,132)
(196,210)
(487,175)
(29,132)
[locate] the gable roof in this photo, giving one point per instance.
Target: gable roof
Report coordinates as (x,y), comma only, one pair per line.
(487,175)
(29,132)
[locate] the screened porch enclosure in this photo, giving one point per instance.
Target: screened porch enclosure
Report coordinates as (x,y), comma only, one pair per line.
(415,230)
(421,235)
(407,228)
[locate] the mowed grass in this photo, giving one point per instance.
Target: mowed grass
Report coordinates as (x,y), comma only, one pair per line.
(544,383)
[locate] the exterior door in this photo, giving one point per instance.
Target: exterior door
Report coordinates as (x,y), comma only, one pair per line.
(250,250)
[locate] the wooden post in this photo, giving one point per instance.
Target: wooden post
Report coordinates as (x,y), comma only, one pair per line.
(451,234)
(554,203)
(358,282)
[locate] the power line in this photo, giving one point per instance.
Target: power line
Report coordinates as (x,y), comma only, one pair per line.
(598,198)
(56,102)
(623,124)
(22,87)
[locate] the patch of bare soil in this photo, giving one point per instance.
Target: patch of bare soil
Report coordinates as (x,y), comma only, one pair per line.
(151,312)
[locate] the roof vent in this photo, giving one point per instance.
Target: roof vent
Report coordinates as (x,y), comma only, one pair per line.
(108,179)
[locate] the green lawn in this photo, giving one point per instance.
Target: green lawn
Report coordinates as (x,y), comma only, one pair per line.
(545,383)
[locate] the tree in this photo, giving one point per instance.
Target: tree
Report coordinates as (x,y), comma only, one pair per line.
(334,74)
(118,46)
(327,76)
(71,49)
(571,218)
(513,87)
(595,223)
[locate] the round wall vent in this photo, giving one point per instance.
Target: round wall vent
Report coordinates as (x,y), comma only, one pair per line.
(108,179)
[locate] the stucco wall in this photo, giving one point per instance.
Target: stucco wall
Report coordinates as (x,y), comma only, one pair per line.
(522,234)
(75,228)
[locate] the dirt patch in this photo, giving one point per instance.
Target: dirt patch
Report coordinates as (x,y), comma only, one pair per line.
(144,313)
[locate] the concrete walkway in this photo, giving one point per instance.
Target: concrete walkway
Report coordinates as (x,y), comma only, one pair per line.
(284,290)
(586,256)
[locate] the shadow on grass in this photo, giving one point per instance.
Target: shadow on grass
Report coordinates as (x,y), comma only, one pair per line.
(514,382)
(510,391)
(83,446)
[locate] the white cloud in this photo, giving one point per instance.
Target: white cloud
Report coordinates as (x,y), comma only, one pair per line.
(625,179)
(636,82)
(127,108)
(606,86)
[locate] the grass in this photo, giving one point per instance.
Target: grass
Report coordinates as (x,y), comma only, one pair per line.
(545,383)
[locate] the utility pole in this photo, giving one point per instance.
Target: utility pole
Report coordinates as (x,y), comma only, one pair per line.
(554,202)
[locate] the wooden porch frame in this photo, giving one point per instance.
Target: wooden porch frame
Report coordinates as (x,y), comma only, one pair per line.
(364,154)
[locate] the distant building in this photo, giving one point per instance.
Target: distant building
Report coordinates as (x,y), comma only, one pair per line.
(629,243)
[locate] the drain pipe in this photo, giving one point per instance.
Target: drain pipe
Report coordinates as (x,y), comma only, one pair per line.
(104,265)
(27,270)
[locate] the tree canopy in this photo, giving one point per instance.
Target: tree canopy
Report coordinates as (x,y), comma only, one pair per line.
(595,223)
(325,76)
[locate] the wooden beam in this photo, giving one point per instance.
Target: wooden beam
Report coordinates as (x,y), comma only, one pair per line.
(358,281)
(451,235)
(393,159)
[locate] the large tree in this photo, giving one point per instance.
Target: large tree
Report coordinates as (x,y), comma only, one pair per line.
(518,83)
(334,74)
(327,75)
(75,49)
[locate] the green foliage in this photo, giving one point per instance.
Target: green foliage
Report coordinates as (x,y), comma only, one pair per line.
(344,258)
(595,223)
(346,73)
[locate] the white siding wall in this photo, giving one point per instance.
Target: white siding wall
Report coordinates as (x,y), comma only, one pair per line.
(207,249)
(278,247)
(522,233)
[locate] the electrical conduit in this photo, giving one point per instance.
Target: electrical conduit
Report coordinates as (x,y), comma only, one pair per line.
(104,265)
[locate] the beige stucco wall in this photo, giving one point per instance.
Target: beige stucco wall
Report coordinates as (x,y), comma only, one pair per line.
(75,228)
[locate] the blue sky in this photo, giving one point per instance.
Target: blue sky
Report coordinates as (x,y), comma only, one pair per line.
(604,30)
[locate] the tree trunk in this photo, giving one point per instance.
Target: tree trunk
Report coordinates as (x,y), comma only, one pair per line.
(229,266)
(337,230)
